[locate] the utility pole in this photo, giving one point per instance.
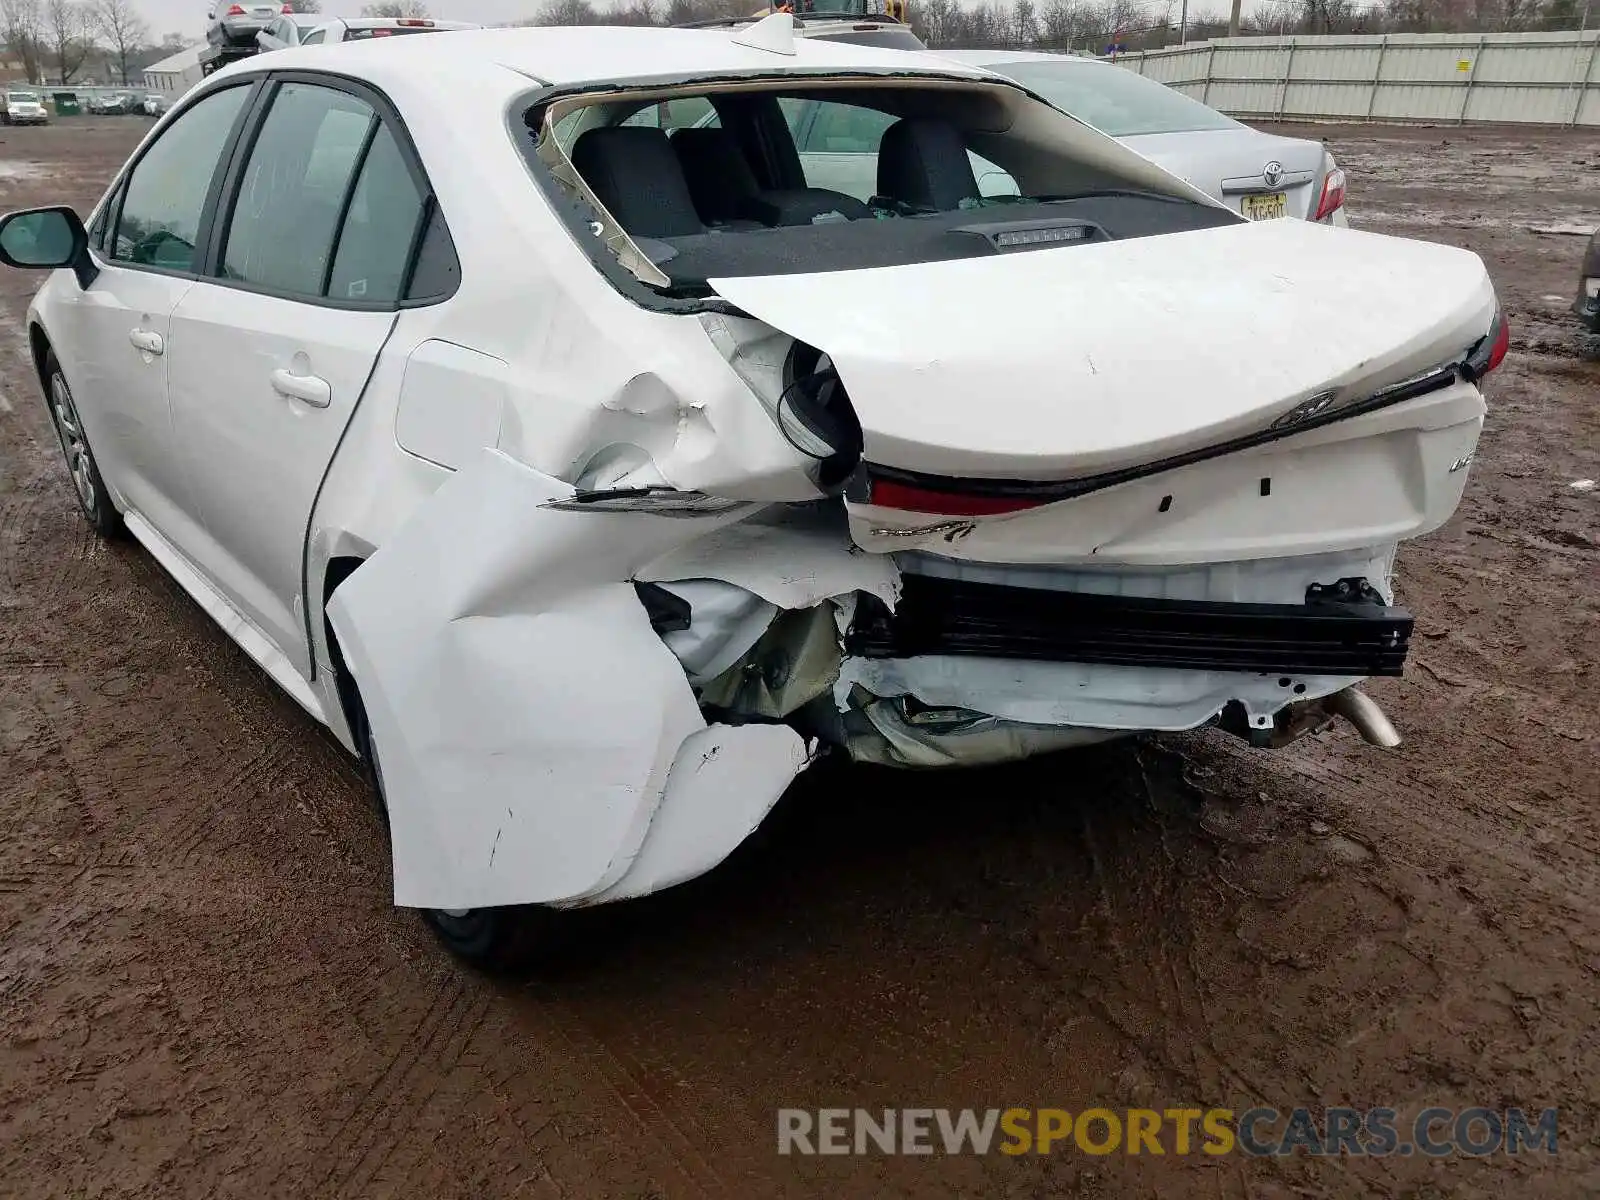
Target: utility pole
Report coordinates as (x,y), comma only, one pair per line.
(1183,20)
(1233,19)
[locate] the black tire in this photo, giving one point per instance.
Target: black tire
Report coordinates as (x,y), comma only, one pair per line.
(83,470)
(494,940)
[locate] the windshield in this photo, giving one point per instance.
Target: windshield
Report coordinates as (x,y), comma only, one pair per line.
(21,98)
(1114,100)
(685,187)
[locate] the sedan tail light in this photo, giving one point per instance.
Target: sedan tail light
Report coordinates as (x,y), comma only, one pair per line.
(1332,194)
(415,23)
(889,493)
(287,9)
(235,11)
(1491,351)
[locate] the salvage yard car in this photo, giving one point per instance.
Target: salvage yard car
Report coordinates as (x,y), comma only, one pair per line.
(357,29)
(1587,303)
(586,484)
(1259,175)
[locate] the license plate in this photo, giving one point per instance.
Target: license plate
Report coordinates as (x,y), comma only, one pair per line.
(1266,207)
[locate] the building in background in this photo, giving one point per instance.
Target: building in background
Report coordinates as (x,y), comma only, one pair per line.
(174,75)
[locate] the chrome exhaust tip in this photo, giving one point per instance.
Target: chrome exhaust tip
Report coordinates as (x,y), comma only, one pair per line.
(1362,711)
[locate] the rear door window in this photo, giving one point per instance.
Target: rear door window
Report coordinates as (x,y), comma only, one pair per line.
(378,232)
(281,233)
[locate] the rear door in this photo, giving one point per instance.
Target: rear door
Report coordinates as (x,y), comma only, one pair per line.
(271,351)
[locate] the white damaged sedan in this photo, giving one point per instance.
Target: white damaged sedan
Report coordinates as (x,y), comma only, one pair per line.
(586,465)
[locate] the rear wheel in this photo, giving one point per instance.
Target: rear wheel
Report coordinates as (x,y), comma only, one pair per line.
(490,939)
(93,498)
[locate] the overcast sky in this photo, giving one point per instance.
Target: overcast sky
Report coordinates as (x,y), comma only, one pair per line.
(188,17)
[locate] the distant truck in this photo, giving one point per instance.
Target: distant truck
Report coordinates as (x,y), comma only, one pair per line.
(24,108)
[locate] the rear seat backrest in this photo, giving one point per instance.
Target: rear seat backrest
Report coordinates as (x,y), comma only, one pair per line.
(923,162)
(633,171)
(720,180)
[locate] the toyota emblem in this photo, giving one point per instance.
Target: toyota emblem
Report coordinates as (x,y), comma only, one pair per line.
(1272,173)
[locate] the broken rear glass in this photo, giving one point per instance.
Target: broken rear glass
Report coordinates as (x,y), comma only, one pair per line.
(684,186)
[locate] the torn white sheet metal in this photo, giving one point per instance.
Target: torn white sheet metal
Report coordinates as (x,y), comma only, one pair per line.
(789,564)
(1079,694)
(1069,361)
(724,622)
(722,785)
(526,715)
(894,741)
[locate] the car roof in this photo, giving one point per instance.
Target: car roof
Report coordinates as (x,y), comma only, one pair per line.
(568,55)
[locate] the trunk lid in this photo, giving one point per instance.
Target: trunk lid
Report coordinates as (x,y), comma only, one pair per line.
(1230,164)
(1053,363)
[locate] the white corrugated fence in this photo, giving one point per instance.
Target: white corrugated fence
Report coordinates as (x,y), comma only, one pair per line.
(1543,78)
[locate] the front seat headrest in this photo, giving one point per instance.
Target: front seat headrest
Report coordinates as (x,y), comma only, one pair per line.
(632,171)
(923,162)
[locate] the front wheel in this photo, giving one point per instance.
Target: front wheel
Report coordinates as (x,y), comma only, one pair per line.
(490,939)
(93,498)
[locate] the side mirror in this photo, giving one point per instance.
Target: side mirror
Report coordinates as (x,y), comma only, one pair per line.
(46,239)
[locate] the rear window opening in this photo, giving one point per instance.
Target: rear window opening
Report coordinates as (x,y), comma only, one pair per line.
(684,185)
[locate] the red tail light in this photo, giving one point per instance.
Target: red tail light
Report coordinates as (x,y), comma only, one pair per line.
(1332,194)
(886,493)
(1491,351)
(288,8)
(235,11)
(382,32)
(415,23)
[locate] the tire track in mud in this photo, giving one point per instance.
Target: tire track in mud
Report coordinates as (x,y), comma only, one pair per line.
(434,1063)
(645,1100)
(226,803)
(1352,780)
(1157,1001)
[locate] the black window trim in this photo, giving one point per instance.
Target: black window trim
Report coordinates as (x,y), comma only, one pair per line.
(111,214)
(232,180)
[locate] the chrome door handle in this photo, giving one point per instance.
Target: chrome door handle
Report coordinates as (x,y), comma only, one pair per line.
(147,340)
(308,389)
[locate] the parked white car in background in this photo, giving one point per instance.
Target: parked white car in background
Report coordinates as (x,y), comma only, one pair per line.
(584,480)
(287,30)
(1260,175)
(361,29)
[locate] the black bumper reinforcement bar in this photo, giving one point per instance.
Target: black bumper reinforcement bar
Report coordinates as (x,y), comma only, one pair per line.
(942,616)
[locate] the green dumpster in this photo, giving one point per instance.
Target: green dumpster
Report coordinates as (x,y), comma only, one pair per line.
(66,104)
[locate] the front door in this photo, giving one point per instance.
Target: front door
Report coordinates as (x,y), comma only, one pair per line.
(113,340)
(272,353)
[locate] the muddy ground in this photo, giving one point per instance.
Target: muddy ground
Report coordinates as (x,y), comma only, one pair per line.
(204,990)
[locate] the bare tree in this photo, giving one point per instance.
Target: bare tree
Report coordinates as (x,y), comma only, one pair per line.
(67,33)
(123,31)
(395,8)
(22,26)
(568,12)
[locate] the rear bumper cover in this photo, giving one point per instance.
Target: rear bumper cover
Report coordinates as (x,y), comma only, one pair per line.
(957,617)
